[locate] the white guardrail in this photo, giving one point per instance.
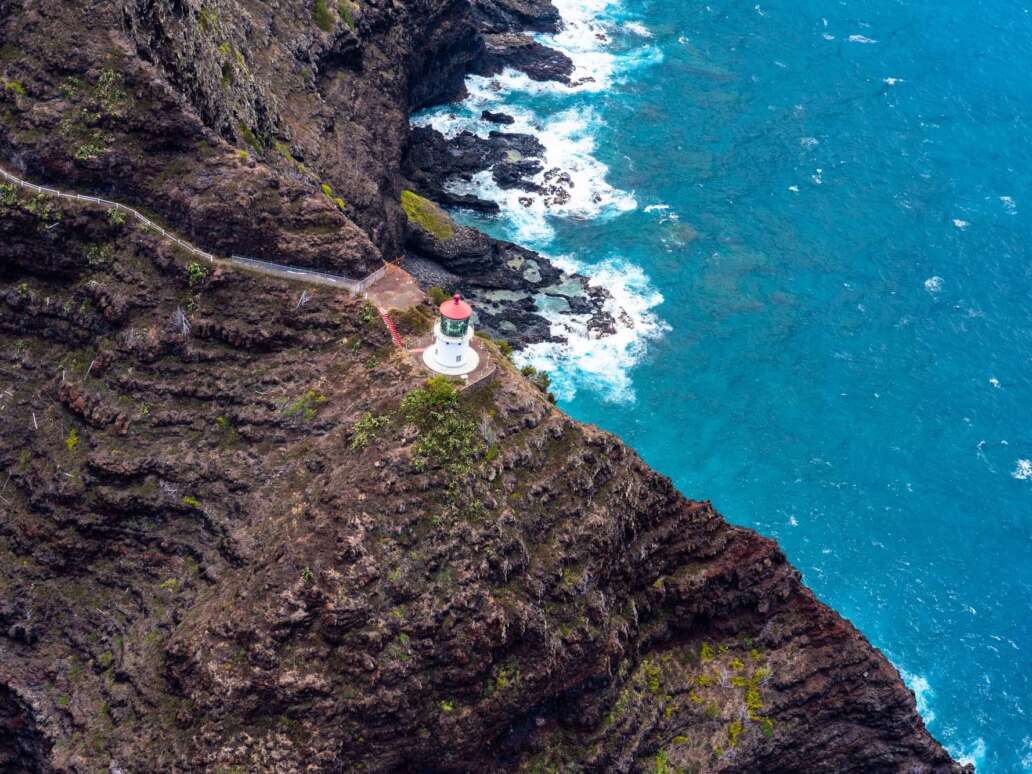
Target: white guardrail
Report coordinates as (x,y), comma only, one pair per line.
(355,287)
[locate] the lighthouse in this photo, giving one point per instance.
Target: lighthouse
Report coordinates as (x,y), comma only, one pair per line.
(451,352)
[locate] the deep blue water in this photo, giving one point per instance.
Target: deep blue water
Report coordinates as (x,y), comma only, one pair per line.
(842,355)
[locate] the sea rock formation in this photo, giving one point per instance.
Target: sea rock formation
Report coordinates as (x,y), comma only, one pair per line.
(238,530)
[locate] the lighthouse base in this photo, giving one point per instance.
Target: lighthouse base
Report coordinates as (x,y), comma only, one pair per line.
(468,364)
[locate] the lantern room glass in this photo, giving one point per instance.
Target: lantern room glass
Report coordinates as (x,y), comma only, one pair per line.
(455,328)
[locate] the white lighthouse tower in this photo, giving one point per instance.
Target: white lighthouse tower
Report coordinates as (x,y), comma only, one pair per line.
(451,352)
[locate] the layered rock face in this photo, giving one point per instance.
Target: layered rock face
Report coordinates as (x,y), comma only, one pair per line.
(240,533)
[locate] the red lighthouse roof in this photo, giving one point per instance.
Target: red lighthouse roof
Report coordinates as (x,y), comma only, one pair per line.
(456,309)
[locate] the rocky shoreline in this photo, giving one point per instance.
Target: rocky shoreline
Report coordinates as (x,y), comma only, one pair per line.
(502,279)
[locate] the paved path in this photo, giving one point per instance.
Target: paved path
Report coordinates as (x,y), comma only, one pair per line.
(311,276)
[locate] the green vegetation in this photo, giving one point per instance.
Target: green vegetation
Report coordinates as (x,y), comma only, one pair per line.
(207,19)
(8,194)
(367,428)
(98,256)
(428,216)
(72,441)
(171,585)
(706,652)
(196,274)
(191,501)
(507,676)
(539,379)
(437,295)
(321,16)
(447,434)
(346,13)
(116,218)
(733,732)
(89,150)
(250,137)
(16,87)
(328,193)
(307,576)
(447,705)
(305,407)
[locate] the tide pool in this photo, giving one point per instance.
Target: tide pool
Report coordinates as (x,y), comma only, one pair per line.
(817,218)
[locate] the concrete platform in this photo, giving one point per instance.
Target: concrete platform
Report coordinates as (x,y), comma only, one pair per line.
(485,367)
(395,290)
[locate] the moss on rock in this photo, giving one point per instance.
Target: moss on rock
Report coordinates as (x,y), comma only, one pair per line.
(428,216)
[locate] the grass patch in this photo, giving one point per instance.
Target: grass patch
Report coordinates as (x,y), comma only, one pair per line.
(428,216)
(321,16)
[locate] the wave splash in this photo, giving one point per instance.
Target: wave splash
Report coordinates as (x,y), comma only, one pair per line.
(600,364)
(567,125)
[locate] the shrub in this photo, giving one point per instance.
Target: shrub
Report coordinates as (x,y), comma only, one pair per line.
(72,440)
(16,87)
(116,218)
(447,434)
(250,137)
(305,407)
(196,274)
(438,295)
(8,194)
(367,428)
(98,256)
(428,216)
(322,16)
(89,150)
(191,501)
(539,379)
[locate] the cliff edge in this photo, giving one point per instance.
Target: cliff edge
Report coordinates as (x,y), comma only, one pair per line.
(240,531)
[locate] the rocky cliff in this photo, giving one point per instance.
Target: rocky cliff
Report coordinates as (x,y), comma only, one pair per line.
(240,532)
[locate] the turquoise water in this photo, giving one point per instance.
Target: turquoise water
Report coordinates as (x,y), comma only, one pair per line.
(819,217)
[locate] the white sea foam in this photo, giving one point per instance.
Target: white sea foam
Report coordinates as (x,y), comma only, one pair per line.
(600,364)
(809,142)
(1022,470)
(1026,753)
(1009,205)
(861,39)
(973,753)
(961,224)
(933,284)
(637,28)
(568,137)
(892,81)
(657,207)
(923,694)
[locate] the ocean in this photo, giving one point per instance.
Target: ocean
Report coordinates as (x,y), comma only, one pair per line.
(817,219)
